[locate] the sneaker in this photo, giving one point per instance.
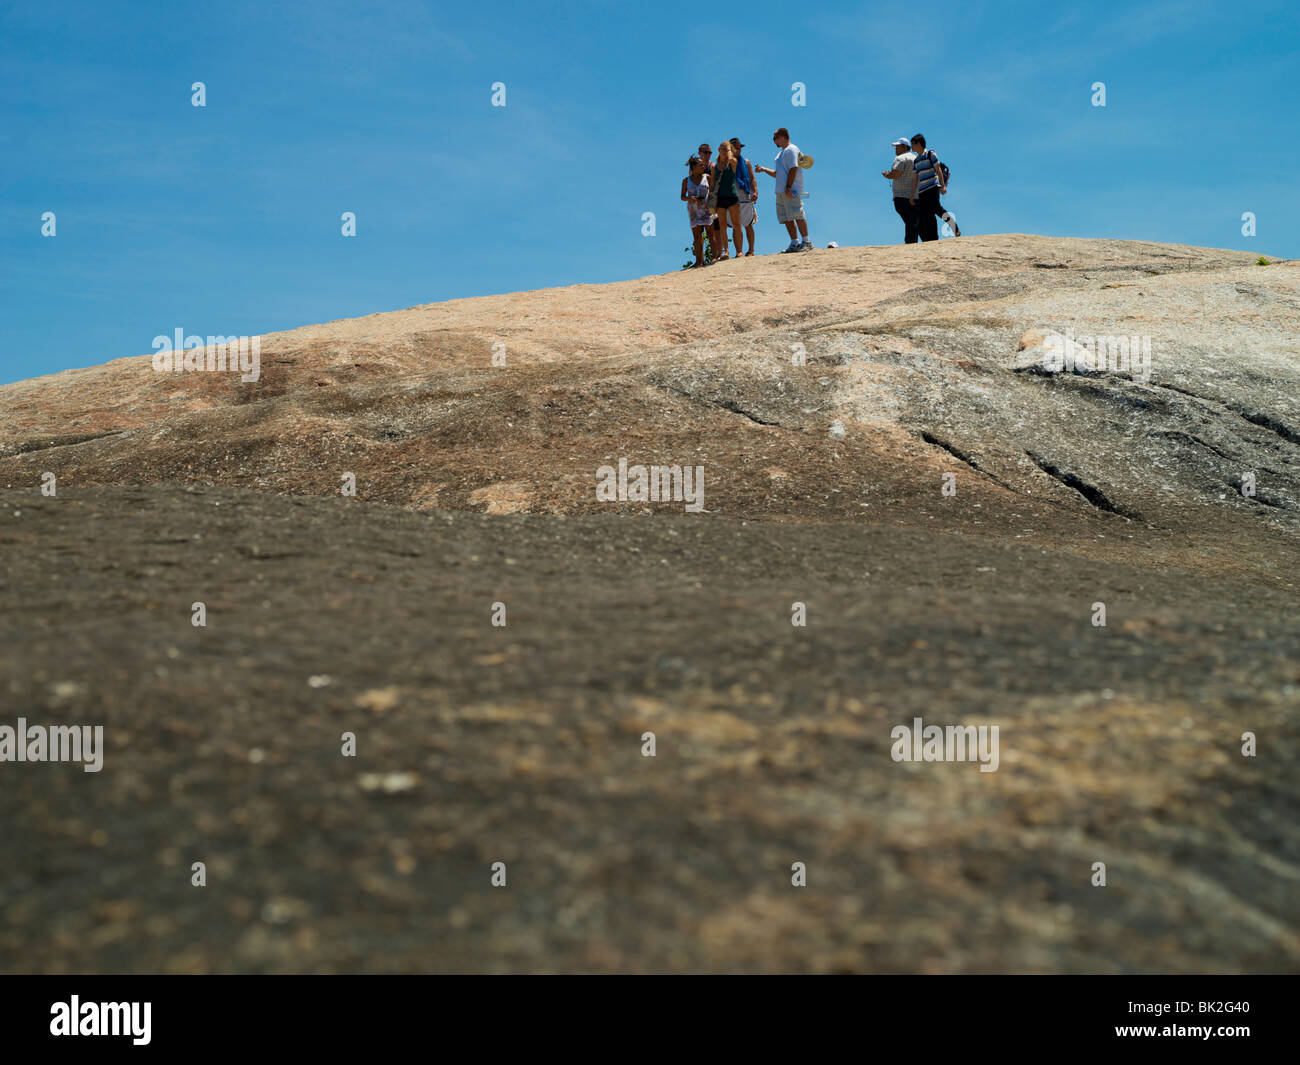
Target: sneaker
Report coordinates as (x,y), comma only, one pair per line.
(952,224)
(807,245)
(794,246)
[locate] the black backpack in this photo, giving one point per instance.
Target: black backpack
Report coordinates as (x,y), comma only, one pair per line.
(943,167)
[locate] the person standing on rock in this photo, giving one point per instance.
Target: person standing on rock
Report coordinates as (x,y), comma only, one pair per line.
(727,193)
(903,175)
(789,190)
(748,193)
(930,184)
(705,152)
(695,191)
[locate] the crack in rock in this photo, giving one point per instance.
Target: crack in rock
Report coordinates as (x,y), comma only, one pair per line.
(1090,492)
(961,456)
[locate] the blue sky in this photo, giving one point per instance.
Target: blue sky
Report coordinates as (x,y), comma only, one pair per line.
(226,219)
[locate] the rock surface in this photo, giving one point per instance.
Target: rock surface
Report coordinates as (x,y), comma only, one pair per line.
(823,485)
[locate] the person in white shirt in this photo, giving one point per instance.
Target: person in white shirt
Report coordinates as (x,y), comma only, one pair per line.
(903,175)
(789,190)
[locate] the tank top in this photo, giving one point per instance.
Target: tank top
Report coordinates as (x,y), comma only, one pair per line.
(727,182)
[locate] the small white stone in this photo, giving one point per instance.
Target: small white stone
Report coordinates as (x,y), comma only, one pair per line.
(388,783)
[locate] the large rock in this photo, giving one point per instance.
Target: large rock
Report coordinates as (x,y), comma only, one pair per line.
(953,533)
(905,347)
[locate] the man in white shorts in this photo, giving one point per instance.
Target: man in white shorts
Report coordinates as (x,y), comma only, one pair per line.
(748,195)
(789,190)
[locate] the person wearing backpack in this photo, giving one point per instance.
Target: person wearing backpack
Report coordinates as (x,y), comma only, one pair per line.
(931,182)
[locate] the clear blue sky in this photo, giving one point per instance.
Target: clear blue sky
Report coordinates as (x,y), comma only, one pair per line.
(226,219)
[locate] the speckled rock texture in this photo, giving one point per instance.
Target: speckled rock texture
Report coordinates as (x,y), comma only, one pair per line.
(872,448)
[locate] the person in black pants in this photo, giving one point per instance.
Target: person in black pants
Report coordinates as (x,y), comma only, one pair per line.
(930,184)
(929,208)
(903,175)
(911,220)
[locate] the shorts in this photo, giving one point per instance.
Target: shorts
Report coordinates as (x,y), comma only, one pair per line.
(748,216)
(724,202)
(788,208)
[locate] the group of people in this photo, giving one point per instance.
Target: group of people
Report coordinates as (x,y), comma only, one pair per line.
(723,192)
(919,180)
